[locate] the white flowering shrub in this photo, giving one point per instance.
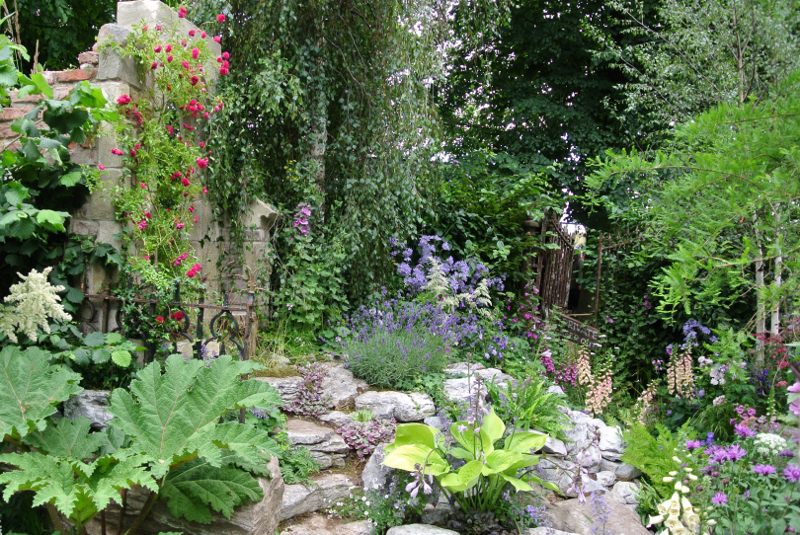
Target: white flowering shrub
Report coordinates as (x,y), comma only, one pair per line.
(31,305)
(768,444)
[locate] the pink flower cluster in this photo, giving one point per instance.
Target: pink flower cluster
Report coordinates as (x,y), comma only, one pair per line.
(301,217)
(194,270)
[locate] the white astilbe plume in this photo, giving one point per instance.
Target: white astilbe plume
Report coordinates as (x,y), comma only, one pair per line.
(32,303)
(438,285)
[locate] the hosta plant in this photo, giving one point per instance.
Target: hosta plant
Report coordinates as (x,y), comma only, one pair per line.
(474,471)
(171,435)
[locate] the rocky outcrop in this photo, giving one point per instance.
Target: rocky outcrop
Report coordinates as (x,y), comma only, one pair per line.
(580,518)
(321,492)
(326,447)
(413,407)
(323,525)
(420,529)
(91,404)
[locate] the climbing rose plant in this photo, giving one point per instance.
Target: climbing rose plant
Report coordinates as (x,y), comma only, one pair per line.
(165,155)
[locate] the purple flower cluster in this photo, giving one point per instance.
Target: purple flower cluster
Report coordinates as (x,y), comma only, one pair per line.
(364,437)
(463,276)
(301,219)
(792,473)
(310,399)
(722,454)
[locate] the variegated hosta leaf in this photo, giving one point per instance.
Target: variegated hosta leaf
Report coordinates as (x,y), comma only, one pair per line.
(30,389)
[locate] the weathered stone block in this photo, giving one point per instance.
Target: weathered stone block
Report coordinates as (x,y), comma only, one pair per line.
(100,205)
(111,65)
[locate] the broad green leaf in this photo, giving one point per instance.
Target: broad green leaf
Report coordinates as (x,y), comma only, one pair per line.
(525,442)
(172,414)
(70,179)
(31,389)
(70,438)
(51,219)
(251,447)
(95,339)
(114,338)
(499,461)
(493,426)
(517,483)
(412,457)
(121,358)
(196,490)
(414,433)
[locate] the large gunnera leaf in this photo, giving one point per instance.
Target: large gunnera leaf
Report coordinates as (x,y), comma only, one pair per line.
(196,490)
(30,389)
(172,415)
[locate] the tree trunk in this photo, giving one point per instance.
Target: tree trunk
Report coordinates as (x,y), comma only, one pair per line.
(777,276)
(761,309)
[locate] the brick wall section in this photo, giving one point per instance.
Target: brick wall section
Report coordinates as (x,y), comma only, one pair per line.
(115,76)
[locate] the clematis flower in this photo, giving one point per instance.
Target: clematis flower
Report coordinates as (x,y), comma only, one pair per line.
(217,38)
(101,167)
(178,315)
(193,80)
(179,225)
(185,181)
(203,35)
(185,64)
(202,163)
(192,32)
(157,49)
(221,18)
(160,319)
(117,152)
(123,100)
(168,49)
(195,53)
(142,185)
(170,58)
(182,11)
(154,65)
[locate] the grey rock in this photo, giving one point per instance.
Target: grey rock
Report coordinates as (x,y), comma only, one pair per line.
(627,472)
(438,513)
(462,369)
(626,492)
(573,516)
(326,447)
(420,529)
(589,458)
(606,478)
(287,386)
(555,446)
(340,387)
(336,418)
(561,472)
(403,407)
(611,440)
(375,475)
(322,492)
(440,422)
(557,390)
(91,404)
(318,524)
(547,531)
(113,66)
(590,486)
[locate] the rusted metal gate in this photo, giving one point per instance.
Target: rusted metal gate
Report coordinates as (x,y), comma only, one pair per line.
(554,263)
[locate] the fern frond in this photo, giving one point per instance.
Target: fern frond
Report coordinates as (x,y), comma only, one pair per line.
(30,389)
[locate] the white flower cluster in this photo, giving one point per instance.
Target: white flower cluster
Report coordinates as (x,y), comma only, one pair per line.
(479,299)
(769,444)
(677,513)
(32,303)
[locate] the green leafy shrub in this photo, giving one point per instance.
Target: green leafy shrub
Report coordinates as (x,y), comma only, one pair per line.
(528,405)
(653,455)
(297,464)
(170,432)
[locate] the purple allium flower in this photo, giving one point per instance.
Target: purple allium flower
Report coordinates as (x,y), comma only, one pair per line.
(763,469)
(720,498)
(792,473)
(693,444)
